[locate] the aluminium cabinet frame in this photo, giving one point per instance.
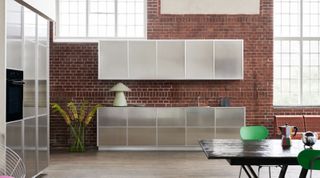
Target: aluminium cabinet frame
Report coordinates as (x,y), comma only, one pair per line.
(100,67)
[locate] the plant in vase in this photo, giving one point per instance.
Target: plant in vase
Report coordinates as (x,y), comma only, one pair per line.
(77,121)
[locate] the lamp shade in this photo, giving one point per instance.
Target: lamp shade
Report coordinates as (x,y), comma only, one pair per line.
(120,99)
(120,87)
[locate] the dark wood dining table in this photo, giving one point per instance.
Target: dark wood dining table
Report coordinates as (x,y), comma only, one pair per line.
(249,153)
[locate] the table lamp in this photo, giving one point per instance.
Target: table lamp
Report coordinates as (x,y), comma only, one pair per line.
(120,99)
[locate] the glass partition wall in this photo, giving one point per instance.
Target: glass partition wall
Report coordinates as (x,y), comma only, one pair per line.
(28,50)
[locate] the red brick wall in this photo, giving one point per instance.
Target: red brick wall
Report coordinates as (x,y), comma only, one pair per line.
(74,70)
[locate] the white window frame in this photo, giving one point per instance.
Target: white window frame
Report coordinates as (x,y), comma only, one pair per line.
(301,39)
(57,38)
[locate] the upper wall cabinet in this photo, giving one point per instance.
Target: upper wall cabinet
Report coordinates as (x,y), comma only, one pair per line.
(171,60)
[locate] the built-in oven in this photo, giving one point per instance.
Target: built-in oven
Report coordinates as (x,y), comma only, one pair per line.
(14,102)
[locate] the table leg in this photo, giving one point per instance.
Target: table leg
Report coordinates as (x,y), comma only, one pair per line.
(246,171)
(283,171)
(249,171)
(303,173)
(252,171)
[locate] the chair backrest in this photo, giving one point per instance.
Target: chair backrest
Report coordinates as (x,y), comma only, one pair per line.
(293,120)
(309,159)
(312,123)
(10,163)
(254,133)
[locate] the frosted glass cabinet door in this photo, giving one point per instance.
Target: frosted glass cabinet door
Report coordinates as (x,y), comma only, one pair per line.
(199,59)
(43,31)
(142,59)
(30,146)
(228,59)
(14,20)
(42,62)
(43,147)
(171,60)
(14,136)
(14,54)
(29,60)
(113,60)
(29,26)
(228,122)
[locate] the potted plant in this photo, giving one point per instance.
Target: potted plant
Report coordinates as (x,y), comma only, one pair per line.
(77,121)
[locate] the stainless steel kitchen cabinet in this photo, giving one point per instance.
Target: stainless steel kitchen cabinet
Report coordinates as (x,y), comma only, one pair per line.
(29,137)
(165,128)
(171,60)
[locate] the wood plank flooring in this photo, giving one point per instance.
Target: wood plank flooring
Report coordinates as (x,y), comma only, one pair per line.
(146,165)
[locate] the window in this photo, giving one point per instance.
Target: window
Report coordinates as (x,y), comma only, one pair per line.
(101,19)
(297,52)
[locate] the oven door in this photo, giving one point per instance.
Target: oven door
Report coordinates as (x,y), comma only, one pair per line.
(14,100)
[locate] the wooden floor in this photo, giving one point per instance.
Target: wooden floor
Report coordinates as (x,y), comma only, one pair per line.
(146,165)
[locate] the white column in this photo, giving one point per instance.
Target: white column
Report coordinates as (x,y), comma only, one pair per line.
(2,71)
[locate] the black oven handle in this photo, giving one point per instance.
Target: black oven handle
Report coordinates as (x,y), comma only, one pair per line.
(15,82)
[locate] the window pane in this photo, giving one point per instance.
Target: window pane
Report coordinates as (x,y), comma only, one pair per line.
(130,18)
(72,19)
(311,18)
(286,72)
(311,73)
(102,18)
(287,18)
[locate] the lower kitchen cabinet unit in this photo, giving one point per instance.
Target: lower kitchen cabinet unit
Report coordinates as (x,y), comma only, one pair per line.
(170,128)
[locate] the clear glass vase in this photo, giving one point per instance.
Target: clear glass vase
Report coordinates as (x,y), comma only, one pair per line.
(77,134)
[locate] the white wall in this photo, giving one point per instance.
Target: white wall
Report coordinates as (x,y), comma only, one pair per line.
(2,71)
(45,8)
(210,6)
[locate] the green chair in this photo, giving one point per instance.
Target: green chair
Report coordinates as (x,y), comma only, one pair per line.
(254,133)
(310,160)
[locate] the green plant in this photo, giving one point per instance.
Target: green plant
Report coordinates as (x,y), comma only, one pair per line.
(77,121)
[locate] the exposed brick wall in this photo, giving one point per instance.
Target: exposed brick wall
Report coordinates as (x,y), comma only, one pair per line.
(74,70)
